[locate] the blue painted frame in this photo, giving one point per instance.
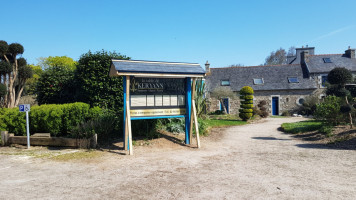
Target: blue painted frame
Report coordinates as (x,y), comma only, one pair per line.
(188,100)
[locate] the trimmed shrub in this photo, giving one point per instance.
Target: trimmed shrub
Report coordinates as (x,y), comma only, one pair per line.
(245,116)
(246,90)
(246,106)
(55,119)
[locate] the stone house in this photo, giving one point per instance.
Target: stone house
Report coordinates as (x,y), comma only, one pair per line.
(283,87)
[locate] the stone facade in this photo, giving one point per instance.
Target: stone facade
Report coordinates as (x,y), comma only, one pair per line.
(288,100)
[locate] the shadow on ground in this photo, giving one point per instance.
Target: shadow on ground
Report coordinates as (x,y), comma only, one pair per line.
(267,138)
(344,140)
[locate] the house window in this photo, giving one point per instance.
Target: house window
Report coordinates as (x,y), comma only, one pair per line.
(293,80)
(258,81)
(327,60)
(300,101)
(323,80)
(225,82)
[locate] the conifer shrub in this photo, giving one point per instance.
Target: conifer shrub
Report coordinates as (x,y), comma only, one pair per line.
(246,97)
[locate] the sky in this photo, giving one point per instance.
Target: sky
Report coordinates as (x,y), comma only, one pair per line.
(222,32)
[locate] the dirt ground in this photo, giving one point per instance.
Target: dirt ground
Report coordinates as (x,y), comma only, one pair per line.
(254,161)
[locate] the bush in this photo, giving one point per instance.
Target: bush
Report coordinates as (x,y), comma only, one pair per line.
(286,113)
(102,125)
(56,86)
(94,86)
(202,126)
(217,112)
(329,110)
(262,110)
(175,125)
(264,114)
(246,106)
(345,108)
(262,103)
(256,111)
(326,130)
(246,90)
(245,116)
(55,119)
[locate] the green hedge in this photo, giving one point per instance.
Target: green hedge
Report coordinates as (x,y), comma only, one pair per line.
(52,118)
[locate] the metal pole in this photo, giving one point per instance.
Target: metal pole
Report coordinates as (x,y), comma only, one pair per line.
(28,130)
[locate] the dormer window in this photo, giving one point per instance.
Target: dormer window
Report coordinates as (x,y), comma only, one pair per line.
(224,82)
(258,81)
(327,60)
(293,80)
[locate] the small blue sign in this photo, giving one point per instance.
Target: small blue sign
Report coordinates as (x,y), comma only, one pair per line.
(24,107)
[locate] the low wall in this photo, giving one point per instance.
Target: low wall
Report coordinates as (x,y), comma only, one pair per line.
(9,138)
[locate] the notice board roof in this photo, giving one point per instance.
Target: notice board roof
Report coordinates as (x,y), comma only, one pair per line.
(155,68)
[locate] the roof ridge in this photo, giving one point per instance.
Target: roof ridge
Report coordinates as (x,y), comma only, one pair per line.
(155,62)
(335,54)
(256,66)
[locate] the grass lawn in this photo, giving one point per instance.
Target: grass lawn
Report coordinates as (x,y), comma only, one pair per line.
(223,120)
(302,127)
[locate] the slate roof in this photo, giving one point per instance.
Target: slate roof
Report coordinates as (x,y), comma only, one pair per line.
(316,63)
(157,67)
(275,77)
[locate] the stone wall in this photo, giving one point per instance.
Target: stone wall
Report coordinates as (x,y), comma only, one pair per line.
(289,100)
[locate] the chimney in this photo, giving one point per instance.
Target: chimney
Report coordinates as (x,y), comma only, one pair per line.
(207,67)
(304,57)
(350,53)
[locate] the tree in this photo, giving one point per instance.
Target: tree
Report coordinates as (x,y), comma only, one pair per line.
(13,72)
(246,96)
(94,86)
(222,92)
(291,51)
(56,86)
(30,86)
(277,57)
(57,61)
(338,78)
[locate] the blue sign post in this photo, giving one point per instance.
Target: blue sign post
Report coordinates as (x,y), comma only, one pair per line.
(26,108)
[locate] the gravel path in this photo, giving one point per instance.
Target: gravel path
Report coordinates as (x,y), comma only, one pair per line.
(254,161)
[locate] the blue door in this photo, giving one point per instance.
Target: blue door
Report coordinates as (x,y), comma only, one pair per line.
(226,104)
(275,105)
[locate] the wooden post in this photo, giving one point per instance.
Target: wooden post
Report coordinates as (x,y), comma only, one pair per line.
(127,84)
(194,117)
(128,135)
(129,130)
(196,123)
(124,113)
(4,137)
(191,115)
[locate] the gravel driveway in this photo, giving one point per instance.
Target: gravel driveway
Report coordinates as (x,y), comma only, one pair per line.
(254,161)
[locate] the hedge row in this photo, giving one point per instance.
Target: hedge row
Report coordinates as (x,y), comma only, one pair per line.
(58,120)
